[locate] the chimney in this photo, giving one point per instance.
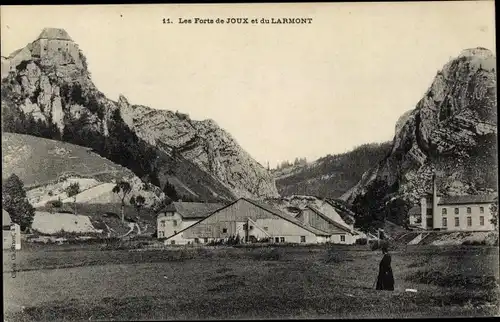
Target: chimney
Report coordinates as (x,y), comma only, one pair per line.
(305,216)
(423,212)
(435,199)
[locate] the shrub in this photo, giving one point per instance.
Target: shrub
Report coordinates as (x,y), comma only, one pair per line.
(474,242)
(266,254)
(54,203)
(361,241)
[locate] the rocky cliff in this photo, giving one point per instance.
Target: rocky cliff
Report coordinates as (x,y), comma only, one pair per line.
(451,132)
(47,91)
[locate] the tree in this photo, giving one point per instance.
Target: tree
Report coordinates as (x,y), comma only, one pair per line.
(14,201)
(170,191)
(122,189)
(494,212)
(138,203)
(72,190)
(370,207)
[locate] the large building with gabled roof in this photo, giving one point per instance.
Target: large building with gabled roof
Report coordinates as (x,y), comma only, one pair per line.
(453,213)
(252,221)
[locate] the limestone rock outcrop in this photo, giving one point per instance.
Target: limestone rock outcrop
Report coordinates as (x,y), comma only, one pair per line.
(451,132)
(48,80)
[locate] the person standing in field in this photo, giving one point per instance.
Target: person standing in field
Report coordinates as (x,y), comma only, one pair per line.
(385,280)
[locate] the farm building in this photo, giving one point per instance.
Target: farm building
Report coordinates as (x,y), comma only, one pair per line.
(335,226)
(453,213)
(180,215)
(11,232)
(252,221)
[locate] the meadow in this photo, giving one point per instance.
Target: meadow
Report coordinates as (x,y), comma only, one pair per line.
(85,282)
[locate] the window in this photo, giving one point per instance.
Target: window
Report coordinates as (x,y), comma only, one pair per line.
(481,220)
(282,239)
(206,240)
(266,228)
(481,210)
(457,222)
(456,211)
(251,227)
(172,242)
(196,240)
(342,238)
(469,221)
(277,239)
(444,211)
(160,234)
(224,230)
(469,210)
(445,222)
(302,239)
(174,222)
(162,224)
(245,226)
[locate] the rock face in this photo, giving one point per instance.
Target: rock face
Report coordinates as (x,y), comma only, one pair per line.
(451,132)
(48,80)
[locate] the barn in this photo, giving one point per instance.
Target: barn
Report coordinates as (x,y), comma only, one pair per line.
(11,232)
(339,231)
(252,221)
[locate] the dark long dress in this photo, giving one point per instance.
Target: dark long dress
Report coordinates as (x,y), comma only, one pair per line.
(385,280)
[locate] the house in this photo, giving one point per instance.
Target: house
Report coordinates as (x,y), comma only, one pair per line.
(339,232)
(453,213)
(180,215)
(252,221)
(11,232)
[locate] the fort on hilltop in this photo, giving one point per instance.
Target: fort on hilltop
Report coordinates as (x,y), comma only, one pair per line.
(53,46)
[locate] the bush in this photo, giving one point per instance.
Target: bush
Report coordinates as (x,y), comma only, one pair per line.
(474,242)
(54,203)
(266,254)
(361,241)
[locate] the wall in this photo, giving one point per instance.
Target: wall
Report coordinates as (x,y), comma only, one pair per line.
(226,221)
(313,219)
(12,235)
(59,51)
(169,229)
(475,215)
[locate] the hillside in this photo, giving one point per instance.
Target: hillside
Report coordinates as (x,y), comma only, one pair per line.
(452,132)
(332,175)
(37,161)
(48,167)
(47,91)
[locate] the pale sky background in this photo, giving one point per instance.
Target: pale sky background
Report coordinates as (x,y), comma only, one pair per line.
(282,91)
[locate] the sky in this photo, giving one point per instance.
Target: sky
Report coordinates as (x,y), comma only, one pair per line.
(281,90)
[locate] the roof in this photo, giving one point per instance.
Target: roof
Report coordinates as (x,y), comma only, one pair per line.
(285,216)
(6,220)
(193,209)
(467,199)
(267,208)
(333,222)
(54,33)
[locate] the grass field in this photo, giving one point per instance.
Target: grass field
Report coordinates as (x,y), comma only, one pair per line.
(39,161)
(85,283)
